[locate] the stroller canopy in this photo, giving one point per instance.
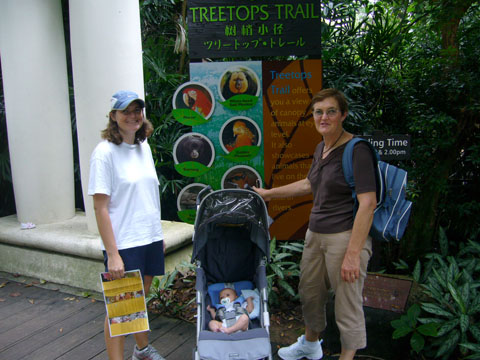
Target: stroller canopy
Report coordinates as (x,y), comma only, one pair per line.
(234,207)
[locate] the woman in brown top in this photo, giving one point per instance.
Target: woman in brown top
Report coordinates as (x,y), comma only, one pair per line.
(337,244)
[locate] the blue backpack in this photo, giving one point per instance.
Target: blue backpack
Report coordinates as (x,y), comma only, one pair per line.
(393,210)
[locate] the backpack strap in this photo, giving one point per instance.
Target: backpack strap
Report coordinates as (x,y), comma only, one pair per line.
(347,165)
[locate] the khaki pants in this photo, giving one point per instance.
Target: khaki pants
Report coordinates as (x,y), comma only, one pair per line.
(320,271)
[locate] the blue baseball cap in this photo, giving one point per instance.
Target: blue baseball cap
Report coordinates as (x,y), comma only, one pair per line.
(121,99)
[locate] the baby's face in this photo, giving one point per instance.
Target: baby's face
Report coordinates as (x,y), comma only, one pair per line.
(228,293)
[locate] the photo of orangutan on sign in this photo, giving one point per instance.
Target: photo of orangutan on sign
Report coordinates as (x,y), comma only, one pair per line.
(239,81)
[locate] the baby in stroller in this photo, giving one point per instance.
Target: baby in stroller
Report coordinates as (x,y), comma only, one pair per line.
(232,314)
(231,250)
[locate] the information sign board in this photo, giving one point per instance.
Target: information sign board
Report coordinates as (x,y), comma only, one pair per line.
(390,147)
(245,28)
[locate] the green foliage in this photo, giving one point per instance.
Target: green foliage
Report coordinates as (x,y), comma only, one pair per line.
(160,287)
(163,290)
(401,76)
(451,304)
(283,270)
(409,324)
(161,27)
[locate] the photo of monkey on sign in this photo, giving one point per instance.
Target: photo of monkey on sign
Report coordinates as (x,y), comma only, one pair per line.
(238,81)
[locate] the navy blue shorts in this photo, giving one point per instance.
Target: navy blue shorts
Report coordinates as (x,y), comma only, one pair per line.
(149,259)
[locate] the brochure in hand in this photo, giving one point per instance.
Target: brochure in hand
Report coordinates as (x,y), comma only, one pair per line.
(125,303)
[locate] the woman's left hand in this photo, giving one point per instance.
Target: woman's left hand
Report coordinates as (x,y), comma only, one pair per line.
(350,271)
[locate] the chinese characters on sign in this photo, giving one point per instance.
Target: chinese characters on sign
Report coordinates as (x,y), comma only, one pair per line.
(243,28)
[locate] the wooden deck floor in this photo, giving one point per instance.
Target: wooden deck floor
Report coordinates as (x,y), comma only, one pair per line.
(42,324)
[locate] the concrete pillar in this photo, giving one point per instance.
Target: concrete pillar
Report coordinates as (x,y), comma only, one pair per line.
(35,84)
(106,57)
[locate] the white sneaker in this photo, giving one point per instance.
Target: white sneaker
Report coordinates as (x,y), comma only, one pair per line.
(149,353)
(300,350)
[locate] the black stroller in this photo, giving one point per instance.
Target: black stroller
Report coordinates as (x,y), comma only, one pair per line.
(231,249)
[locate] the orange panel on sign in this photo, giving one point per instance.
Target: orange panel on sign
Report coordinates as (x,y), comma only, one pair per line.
(290,138)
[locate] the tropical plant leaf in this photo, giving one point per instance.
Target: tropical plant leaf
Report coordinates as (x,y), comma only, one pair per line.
(475,246)
(443,241)
(448,326)
(436,310)
(277,270)
(453,270)
(401,332)
(449,344)
(434,290)
(429,329)
(475,331)
(286,286)
(297,247)
(281,256)
(475,305)
(465,293)
(417,271)
(441,280)
(401,265)
(473,347)
(464,323)
(431,320)
(417,342)
(458,299)
(412,314)
(399,323)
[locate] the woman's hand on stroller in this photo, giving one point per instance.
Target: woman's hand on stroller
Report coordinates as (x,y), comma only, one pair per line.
(264,193)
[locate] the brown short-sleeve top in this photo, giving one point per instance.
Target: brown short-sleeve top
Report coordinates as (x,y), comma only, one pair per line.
(332,210)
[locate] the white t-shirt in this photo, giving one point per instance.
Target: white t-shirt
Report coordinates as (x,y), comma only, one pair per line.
(127,174)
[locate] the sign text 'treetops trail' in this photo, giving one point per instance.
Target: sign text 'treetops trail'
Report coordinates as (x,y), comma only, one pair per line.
(244,28)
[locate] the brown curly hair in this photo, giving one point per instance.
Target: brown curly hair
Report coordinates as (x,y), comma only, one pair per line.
(112,134)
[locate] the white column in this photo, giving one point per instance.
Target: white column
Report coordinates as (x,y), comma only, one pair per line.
(106,57)
(35,83)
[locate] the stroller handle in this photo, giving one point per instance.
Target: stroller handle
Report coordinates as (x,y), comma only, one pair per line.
(257,184)
(201,195)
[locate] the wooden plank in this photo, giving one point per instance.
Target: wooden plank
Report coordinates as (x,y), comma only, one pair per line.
(62,329)
(158,326)
(92,329)
(174,339)
(53,328)
(38,318)
(28,296)
(87,348)
(185,350)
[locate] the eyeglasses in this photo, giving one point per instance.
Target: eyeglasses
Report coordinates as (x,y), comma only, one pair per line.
(330,113)
(136,111)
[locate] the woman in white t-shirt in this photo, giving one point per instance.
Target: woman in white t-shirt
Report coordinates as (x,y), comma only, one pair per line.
(126,199)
